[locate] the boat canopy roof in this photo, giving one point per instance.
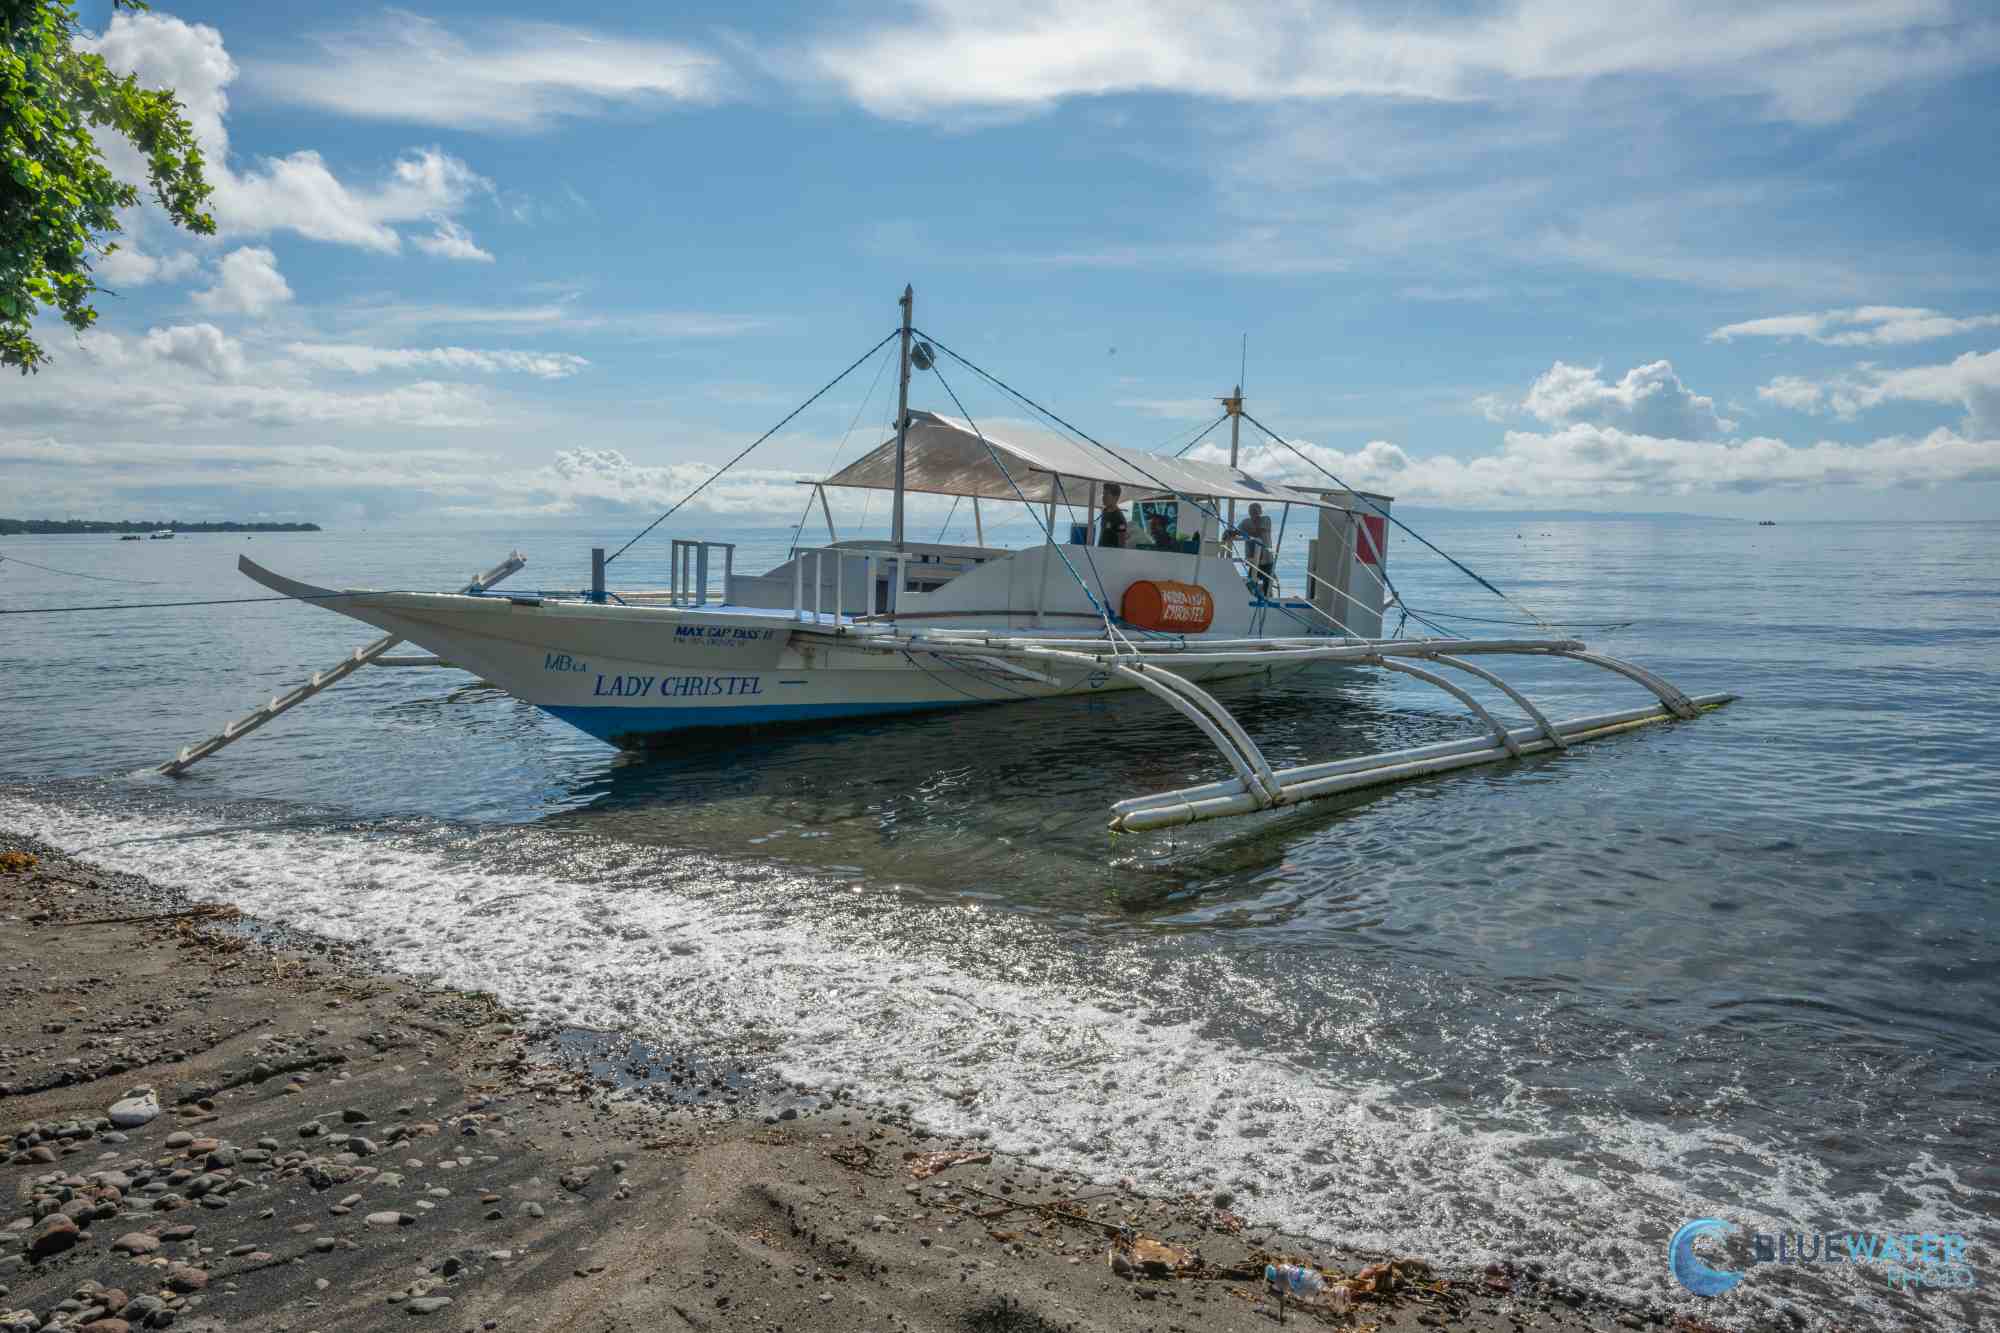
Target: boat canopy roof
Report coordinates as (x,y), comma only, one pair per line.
(945,456)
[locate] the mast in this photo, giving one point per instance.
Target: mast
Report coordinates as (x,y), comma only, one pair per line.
(902,414)
(1233,405)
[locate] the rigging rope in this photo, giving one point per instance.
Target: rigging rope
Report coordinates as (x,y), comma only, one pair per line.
(753,444)
(1204,435)
(158,606)
(1110,630)
(78,574)
(1222,523)
(1455,564)
(806,514)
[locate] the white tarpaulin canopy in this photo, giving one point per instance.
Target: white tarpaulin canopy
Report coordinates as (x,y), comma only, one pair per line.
(946,456)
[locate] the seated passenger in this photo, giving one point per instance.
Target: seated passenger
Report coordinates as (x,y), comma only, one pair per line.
(1159,534)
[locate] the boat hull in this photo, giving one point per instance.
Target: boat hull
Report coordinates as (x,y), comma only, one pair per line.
(638,677)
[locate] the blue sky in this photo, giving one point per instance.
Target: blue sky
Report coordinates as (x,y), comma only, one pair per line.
(476,264)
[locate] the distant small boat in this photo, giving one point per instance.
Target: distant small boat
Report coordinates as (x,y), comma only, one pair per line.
(1767,523)
(164,535)
(131,537)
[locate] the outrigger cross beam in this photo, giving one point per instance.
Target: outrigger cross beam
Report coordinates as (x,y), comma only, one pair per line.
(1159,669)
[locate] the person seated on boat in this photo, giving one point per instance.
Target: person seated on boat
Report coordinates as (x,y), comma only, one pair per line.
(1111,524)
(1257,550)
(1159,534)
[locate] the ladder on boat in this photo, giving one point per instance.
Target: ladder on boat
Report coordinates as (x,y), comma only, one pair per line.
(372,654)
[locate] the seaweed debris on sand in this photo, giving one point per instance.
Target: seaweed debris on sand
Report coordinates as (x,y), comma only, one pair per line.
(208,1123)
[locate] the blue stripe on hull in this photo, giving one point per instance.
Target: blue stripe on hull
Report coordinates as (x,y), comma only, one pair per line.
(637,728)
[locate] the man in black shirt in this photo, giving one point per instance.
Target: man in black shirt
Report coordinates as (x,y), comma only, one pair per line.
(1111,524)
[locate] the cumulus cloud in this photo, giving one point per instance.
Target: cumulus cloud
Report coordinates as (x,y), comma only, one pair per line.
(1971,382)
(201,347)
(497,75)
(1647,400)
(194,375)
(1806,61)
(128,266)
(1862,326)
(297,192)
(359,359)
(315,480)
(1590,462)
(1648,435)
(247,282)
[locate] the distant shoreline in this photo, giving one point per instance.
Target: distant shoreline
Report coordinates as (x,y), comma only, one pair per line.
(45,527)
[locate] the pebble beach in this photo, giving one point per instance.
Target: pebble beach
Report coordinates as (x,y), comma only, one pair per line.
(211,1124)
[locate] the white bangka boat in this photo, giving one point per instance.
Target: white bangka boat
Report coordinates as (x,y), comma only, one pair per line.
(864,628)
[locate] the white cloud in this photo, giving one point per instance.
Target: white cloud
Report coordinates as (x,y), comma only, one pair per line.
(1800,395)
(500,75)
(566,315)
(1648,400)
(1806,61)
(1648,435)
(201,347)
(1863,326)
(358,359)
(128,266)
(1174,409)
(451,241)
(296,192)
(1971,382)
(1591,462)
(318,479)
(1474,294)
(194,376)
(247,282)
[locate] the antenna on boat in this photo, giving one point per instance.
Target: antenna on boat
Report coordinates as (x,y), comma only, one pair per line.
(908,303)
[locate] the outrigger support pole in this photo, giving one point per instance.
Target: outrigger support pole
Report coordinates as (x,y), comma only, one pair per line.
(1158,669)
(367,655)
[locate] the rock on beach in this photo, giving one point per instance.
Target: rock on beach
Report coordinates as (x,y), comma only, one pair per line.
(140,1106)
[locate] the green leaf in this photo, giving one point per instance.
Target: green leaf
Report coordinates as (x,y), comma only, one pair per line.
(53,99)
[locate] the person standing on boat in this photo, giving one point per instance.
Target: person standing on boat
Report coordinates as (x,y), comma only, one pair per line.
(1257,550)
(1111,525)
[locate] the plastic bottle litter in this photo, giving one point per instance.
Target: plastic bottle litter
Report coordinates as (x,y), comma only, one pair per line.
(1304,1285)
(1296,1281)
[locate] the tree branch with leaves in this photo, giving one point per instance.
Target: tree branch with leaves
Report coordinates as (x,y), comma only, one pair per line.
(59,202)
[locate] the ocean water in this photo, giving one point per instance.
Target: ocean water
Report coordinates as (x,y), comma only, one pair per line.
(1746,967)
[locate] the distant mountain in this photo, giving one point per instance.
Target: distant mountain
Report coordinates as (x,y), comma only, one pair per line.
(43,527)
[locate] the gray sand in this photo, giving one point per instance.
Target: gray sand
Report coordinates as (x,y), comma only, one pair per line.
(341,1149)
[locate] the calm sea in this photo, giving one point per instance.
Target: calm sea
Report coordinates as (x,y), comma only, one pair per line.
(1746,967)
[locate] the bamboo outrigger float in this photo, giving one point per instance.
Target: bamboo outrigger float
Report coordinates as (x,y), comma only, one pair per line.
(865,628)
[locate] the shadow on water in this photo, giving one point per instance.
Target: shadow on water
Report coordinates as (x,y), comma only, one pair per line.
(1009,800)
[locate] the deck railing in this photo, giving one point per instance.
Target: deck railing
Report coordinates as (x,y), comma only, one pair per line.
(688,585)
(815,607)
